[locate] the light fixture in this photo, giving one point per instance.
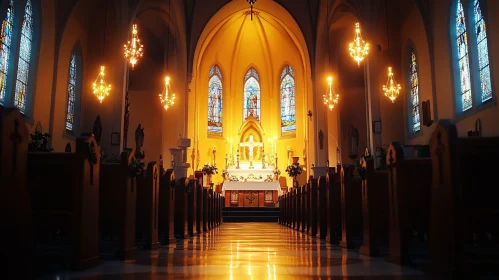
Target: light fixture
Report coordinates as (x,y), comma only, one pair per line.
(332,99)
(358,48)
(251,2)
(134,49)
(100,87)
(391,89)
(167,99)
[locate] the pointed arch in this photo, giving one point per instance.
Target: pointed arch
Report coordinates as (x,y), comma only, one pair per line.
(74,90)
(288,102)
(414,93)
(482,52)
(215,102)
(24,60)
(251,94)
(463,58)
(5,45)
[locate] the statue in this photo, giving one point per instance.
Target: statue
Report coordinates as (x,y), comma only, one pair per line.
(354,140)
(97,130)
(139,142)
(126,121)
(321,139)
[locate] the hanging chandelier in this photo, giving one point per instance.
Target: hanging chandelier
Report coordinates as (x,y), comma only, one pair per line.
(251,2)
(101,89)
(358,48)
(332,99)
(134,49)
(167,99)
(391,89)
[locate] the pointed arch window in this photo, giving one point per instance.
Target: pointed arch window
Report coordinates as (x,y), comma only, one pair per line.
(5,43)
(215,102)
(73,91)
(23,67)
(288,102)
(483,52)
(251,94)
(464,65)
(414,81)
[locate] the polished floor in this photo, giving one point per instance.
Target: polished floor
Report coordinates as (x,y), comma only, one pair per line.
(248,251)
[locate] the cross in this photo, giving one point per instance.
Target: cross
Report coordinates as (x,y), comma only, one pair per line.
(250,144)
(16,139)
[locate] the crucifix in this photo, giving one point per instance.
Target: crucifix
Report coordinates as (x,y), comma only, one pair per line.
(250,144)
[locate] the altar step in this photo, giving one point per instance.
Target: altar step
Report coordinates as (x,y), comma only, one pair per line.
(250,214)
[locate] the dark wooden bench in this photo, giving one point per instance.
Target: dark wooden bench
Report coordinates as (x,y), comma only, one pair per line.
(167,208)
(147,206)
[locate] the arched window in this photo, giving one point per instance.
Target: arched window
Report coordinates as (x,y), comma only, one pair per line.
(215,102)
(251,94)
(5,37)
(288,102)
(462,51)
(25,52)
(483,53)
(74,84)
(414,80)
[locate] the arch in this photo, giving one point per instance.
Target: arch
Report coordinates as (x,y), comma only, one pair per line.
(413,109)
(252,98)
(215,102)
(5,48)
(287,102)
(482,53)
(74,85)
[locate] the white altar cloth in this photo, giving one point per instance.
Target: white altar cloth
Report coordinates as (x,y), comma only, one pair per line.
(251,186)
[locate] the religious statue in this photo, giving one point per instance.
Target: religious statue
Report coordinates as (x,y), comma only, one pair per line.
(287,96)
(97,129)
(321,139)
(253,103)
(139,142)
(354,140)
(126,121)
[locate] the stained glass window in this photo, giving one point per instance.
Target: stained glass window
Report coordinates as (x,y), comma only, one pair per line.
(5,37)
(215,101)
(288,105)
(71,93)
(251,94)
(483,53)
(24,59)
(462,51)
(416,124)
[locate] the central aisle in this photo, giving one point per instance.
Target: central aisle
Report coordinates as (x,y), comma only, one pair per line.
(248,251)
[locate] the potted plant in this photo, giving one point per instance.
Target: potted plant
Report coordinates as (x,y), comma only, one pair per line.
(293,171)
(39,142)
(209,170)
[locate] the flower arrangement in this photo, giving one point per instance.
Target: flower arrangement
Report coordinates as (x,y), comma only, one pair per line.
(136,168)
(294,170)
(39,142)
(269,179)
(209,169)
(233,178)
(277,172)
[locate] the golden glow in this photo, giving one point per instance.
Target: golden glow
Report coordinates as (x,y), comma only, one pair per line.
(167,99)
(332,99)
(358,48)
(391,89)
(101,89)
(134,49)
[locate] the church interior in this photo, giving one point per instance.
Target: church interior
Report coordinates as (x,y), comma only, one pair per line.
(249,139)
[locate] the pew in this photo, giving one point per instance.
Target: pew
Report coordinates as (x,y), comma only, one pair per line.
(16,203)
(200,201)
(191,207)
(64,191)
(322,206)
(117,205)
(464,209)
(374,207)
(312,190)
(147,206)
(166,208)
(351,200)
(180,220)
(409,181)
(304,217)
(333,208)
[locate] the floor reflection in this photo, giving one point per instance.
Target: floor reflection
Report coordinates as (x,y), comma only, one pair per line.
(248,251)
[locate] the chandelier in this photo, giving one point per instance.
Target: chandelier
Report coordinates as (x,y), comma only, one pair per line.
(391,89)
(134,49)
(167,99)
(358,48)
(332,99)
(101,89)
(251,2)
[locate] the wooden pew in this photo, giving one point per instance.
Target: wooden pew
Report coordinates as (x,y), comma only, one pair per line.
(180,220)
(333,207)
(351,216)
(298,211)
(16,204)
(206,209)
(117,207)
(322,206)
(147,206)
(199,206)
(313,202)
(374,207)
(304,217)
(191,207)
(409,181)
(167,208)
(464,211)
(64,189)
